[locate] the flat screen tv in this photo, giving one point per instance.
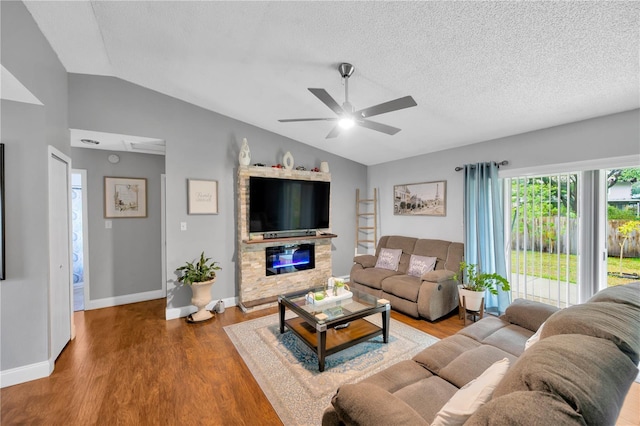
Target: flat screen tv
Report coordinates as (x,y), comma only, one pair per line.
(287,204)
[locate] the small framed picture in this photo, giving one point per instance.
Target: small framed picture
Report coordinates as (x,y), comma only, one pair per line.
(420,199)
(125,197)
(203,196)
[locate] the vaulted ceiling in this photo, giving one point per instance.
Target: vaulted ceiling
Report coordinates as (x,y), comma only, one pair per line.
(477,70)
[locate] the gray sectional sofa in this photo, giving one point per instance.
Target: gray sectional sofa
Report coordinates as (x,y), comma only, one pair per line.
(429,296)
(578,373)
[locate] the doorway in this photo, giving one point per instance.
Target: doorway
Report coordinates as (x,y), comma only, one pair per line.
(79,239)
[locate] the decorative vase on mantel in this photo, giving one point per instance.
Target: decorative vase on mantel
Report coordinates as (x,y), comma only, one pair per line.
(201,298)
(244,157)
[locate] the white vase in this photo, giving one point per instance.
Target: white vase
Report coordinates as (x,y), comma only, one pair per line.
(473,299)
(287,161)
(245,154)
(324,167)
(201,298)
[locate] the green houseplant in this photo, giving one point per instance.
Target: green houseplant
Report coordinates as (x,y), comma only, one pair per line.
(475,283)
(200,276)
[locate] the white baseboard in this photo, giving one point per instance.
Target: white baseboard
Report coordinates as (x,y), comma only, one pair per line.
(26,373)
(123,300)
(183,311)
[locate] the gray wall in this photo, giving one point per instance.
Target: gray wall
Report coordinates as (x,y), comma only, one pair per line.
(125,259)
(596,139)
(27,130)
(204,145)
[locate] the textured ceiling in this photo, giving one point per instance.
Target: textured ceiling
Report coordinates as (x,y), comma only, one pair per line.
(478,70)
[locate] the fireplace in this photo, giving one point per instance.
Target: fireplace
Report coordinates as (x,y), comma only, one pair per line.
(289,258)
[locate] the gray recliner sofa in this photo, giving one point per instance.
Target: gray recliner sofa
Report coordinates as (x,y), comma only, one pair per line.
(429,296)
(578,372)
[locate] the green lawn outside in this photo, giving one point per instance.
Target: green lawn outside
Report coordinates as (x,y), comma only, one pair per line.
(545,265)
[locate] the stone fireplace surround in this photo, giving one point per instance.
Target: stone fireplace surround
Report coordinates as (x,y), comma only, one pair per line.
(256,289)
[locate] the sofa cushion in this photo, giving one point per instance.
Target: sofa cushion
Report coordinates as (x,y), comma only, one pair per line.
(511,339)
(472,363)
(588,373)
(398,376)
(528,313)
(371,277)
(617,322)
(483,329)
(472,396)
(433,248)
(419,265)
(367,404)
(523,408)
(404,286)
(426,397)
(389,259)
(440,354)
(628,294)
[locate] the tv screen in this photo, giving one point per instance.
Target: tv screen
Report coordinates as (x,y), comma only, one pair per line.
(287,204)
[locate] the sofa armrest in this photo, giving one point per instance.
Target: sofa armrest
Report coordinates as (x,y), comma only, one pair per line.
(367,404)
(366,260)
(528,313)
(439,276)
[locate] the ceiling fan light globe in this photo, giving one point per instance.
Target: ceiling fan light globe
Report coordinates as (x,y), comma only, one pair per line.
(346,123)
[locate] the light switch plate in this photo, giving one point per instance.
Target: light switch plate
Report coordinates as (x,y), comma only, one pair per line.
(107,224)
(183,226)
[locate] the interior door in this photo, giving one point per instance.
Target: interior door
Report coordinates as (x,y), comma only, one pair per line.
(59,253)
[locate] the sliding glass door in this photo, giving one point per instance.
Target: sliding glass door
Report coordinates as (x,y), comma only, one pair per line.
(572,234)
(544,239)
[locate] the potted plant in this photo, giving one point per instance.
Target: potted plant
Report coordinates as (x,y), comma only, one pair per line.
(475,283)
(200,276)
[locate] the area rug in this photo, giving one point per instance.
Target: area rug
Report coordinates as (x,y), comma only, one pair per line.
(287,370)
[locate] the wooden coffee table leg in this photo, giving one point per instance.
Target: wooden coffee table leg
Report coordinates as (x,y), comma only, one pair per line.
(322,344)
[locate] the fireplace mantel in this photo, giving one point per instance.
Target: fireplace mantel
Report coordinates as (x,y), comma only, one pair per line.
(256,289)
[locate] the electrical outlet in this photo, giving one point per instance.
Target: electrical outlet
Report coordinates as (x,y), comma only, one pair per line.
(183,226)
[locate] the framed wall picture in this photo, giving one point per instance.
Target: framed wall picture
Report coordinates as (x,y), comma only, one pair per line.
(420,199)
(203,196)
(125,197)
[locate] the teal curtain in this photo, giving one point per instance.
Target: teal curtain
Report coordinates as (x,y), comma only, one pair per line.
(484,226)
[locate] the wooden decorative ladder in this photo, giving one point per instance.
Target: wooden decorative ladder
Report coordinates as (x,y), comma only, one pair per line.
(363,221)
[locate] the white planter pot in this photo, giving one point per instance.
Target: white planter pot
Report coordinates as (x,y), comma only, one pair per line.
(201,298)
(473,299)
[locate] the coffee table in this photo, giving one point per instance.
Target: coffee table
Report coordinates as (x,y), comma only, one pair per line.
(321,325)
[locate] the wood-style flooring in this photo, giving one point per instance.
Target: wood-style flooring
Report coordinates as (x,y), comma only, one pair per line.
(129,366)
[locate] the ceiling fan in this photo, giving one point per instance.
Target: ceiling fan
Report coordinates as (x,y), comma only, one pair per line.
(347,117)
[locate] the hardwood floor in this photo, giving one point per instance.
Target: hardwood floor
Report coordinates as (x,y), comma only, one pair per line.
(130,366)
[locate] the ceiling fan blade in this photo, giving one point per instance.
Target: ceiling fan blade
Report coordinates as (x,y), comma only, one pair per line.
(390,130)
(291,120)
(327,100)
(334,132)
(400,103)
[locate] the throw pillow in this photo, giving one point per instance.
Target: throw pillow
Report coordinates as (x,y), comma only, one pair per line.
(533,339)
(389,259)
(419,265)
(472,396)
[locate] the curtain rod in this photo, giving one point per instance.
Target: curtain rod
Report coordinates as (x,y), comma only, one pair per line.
(502,163)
